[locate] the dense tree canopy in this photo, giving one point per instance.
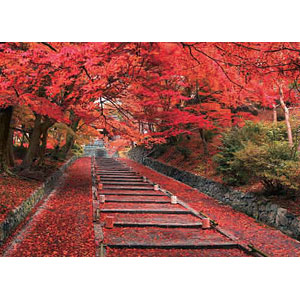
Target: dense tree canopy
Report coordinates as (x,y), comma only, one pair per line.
(145,92)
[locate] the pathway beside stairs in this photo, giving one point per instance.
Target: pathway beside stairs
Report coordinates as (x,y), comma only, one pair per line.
(63,224)
(144,222)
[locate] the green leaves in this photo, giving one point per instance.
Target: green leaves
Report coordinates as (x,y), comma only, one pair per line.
(261,152)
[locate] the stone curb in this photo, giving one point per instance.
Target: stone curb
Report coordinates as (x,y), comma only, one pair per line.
(262,210)
(16,216)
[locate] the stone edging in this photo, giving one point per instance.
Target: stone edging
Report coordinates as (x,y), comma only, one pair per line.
(262,210)
(16,216)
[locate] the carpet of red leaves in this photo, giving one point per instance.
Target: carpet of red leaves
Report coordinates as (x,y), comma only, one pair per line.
(263,237)
(13,191)
(63,226)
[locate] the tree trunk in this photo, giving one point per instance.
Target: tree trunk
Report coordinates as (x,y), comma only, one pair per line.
(5,119)
(286,116)
(204,142)
(274,114)
(10,149)
(70,139)
(44,131)
(69,144)
(43,146)
(10,144)
(34,143)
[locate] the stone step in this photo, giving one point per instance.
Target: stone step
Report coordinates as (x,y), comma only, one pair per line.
(145,211)
(130,194)
(136,201)
(170,245)
(129,188)
(149,224)
(127,183)
(164,237)
(152,218)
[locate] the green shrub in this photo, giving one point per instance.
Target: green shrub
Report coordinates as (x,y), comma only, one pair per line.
(232,142)
(273,163)
(259,151)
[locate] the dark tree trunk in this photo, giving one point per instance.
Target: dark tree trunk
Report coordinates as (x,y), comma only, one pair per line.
(43,146)
(45,127)
(10,148)
(34,143)
(70,139)
(5,119)
(34,151)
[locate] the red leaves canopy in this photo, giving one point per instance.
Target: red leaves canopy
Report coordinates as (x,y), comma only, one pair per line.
(147,90)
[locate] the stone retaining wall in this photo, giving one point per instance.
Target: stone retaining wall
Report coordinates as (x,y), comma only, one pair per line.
(260,209)
(15,217)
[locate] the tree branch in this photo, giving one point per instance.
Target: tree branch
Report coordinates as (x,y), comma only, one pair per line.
(49,46)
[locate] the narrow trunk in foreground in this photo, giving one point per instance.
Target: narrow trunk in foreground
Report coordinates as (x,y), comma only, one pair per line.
(10,148)
(286,116)
(5,119)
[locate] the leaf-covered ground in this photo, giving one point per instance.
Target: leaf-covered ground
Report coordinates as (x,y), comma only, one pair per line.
(267,239)
(13,191)
(63,225)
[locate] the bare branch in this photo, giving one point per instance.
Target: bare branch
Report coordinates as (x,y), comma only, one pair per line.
(49,46)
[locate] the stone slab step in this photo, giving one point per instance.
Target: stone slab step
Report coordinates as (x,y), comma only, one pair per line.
(136,201)
(142,205)
(129,188)
(116,180)
(170,245)
(131,184)
(129,193)
(137,198)
(145,211)
(151,224)
(117,174)
(119,177)
(155,236)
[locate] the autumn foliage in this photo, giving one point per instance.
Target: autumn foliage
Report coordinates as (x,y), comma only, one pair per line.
(55,95)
